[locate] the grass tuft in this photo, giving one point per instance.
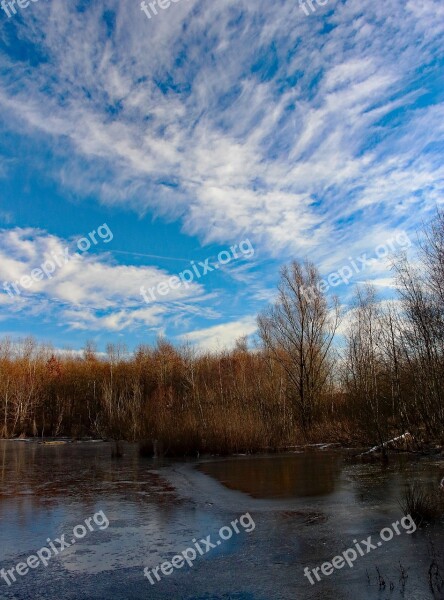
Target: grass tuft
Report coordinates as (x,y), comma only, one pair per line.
(424,506)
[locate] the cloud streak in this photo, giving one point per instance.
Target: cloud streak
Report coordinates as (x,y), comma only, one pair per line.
(317,137)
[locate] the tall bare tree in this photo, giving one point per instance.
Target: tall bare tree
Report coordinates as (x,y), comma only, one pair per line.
(298,331)
(365,376)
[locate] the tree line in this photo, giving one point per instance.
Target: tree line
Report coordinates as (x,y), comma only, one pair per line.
(316,373)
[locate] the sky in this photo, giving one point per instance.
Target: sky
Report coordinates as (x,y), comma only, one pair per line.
(195,152)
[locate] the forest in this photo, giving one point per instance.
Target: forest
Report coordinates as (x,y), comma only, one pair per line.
(316,373)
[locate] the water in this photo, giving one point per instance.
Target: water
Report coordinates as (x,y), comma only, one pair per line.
(296,475)
(307,508)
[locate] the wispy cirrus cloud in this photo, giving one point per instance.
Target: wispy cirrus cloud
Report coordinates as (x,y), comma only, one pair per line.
(318,137)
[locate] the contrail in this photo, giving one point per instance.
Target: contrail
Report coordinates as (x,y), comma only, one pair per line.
(151,255)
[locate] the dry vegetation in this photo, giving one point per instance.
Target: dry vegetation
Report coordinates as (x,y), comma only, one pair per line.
(423,505)
(301,384)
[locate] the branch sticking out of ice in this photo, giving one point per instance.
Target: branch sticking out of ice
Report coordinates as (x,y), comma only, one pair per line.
(405,436)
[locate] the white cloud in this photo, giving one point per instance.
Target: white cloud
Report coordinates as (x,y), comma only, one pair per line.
(89,291)
(237,119)
(247,164)
(222,336)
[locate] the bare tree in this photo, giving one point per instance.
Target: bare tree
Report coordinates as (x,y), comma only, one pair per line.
(298,331)
(421,290)
(364,365)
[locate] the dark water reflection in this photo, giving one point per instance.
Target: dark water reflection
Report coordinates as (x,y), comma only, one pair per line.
(84,471)
(290,476)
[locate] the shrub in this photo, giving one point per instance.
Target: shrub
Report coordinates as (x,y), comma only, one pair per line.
(424,506)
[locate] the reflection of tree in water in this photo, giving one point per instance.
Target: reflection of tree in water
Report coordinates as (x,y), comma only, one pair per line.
(40,475)
(307,474)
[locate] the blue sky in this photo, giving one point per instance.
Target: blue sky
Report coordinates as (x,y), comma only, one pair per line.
(316,137)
